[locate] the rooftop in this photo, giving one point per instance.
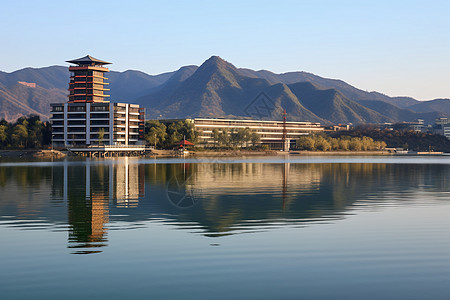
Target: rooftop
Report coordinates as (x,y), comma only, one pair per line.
(88,60)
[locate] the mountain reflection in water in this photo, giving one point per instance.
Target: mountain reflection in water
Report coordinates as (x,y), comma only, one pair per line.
(210,198)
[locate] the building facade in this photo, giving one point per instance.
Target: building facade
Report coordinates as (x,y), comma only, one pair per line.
(270,132)
(442,127)
(87,118)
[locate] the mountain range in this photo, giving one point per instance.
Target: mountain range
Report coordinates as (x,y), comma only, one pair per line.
(219,89)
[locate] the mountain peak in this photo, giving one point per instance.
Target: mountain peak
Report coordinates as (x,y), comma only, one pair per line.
(216,58)
(217,62)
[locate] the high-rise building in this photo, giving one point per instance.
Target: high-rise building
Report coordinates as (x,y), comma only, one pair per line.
(87,118)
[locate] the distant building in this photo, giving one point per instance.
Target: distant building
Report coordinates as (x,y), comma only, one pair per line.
(442,127)
(416,125)
(270,132)
(441,121)
(87,118)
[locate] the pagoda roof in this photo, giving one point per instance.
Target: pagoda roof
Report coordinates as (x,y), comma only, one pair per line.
(88,60)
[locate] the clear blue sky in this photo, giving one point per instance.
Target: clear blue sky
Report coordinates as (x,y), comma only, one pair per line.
(394,47)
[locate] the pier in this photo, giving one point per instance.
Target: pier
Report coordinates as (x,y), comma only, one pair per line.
(109,150)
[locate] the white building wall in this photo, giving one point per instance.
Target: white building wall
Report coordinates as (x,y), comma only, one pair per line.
(88,123)
(127,125)
(66,107)
(111,123)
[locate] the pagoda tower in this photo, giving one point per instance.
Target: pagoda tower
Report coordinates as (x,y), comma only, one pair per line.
(87,80)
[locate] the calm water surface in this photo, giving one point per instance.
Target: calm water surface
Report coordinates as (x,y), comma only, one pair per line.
(250,228)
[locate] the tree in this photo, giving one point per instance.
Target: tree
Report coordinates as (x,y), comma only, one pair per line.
(322,144)
(215,136)
(35,128)
(155,133)
(3,135)
(255,138)
(101,135)
(224,138)
(306,143)
(173,134)
(234,138)
(179,130)
(19,136)
(355,144)
(334,144)
(344,144)
(367,143)
(46,133)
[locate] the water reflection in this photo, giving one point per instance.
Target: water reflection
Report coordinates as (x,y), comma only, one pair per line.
(88,190)
(213,199)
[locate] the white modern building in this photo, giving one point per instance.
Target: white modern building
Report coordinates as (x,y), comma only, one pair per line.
(82,124)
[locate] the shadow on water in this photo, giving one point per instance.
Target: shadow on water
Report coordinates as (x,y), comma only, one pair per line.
(213,199)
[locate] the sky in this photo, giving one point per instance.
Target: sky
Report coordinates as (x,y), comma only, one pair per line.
(399,48)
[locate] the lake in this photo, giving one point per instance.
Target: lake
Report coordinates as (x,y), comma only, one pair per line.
(285,227)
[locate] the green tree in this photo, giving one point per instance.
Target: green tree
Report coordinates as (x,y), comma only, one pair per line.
(322,144)
(355,144)
(3,135)
(35,135)
(215,136)
(19,135)
(101,135)
(173,134)
(46,133)
(224,138)
(367,143)
(240,137)
(344,144)
(307,142)
(179,130)
(255,138)
(155,133)
(334,144)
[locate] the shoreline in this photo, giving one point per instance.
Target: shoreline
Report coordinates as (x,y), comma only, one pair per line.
(33,153)
(45,153)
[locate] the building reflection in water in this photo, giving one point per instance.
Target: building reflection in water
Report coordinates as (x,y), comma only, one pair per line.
(89,190)
(227,198)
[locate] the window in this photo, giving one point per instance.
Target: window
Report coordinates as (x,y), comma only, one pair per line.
(77,108)
(100,108)
(100,116)
(58,116)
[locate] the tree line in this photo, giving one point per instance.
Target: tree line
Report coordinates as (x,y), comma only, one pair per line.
(407,139)
(26,133)
(319,142)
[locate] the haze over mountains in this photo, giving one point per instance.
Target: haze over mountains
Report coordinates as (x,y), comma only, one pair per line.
(219,89)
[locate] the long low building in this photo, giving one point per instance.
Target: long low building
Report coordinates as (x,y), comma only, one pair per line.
(270,132)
